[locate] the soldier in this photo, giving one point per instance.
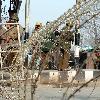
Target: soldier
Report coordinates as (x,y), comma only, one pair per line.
(65,46)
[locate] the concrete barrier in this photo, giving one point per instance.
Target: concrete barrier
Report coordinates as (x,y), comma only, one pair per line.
(59,77)
(54,76)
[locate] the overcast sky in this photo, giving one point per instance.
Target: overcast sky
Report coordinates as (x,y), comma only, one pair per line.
(45,10)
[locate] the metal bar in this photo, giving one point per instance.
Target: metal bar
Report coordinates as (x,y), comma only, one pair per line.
(9,51)
(1,64)
(9,23)
(19,35)
(0,10)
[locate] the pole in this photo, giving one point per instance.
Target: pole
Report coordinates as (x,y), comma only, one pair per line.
(77,36)
(0,11)
(0,20)
(27,8)
(95,30)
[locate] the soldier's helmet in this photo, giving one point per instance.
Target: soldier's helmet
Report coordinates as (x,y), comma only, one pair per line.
(38,25)
(69,23)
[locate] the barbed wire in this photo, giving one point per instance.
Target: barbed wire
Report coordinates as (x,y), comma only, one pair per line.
(77,72)
(38,36)
(78,89)
(93,88)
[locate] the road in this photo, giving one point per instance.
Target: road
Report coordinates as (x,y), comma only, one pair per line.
(50,93)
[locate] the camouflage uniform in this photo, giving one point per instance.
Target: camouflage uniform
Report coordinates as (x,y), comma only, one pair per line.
(65,45)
